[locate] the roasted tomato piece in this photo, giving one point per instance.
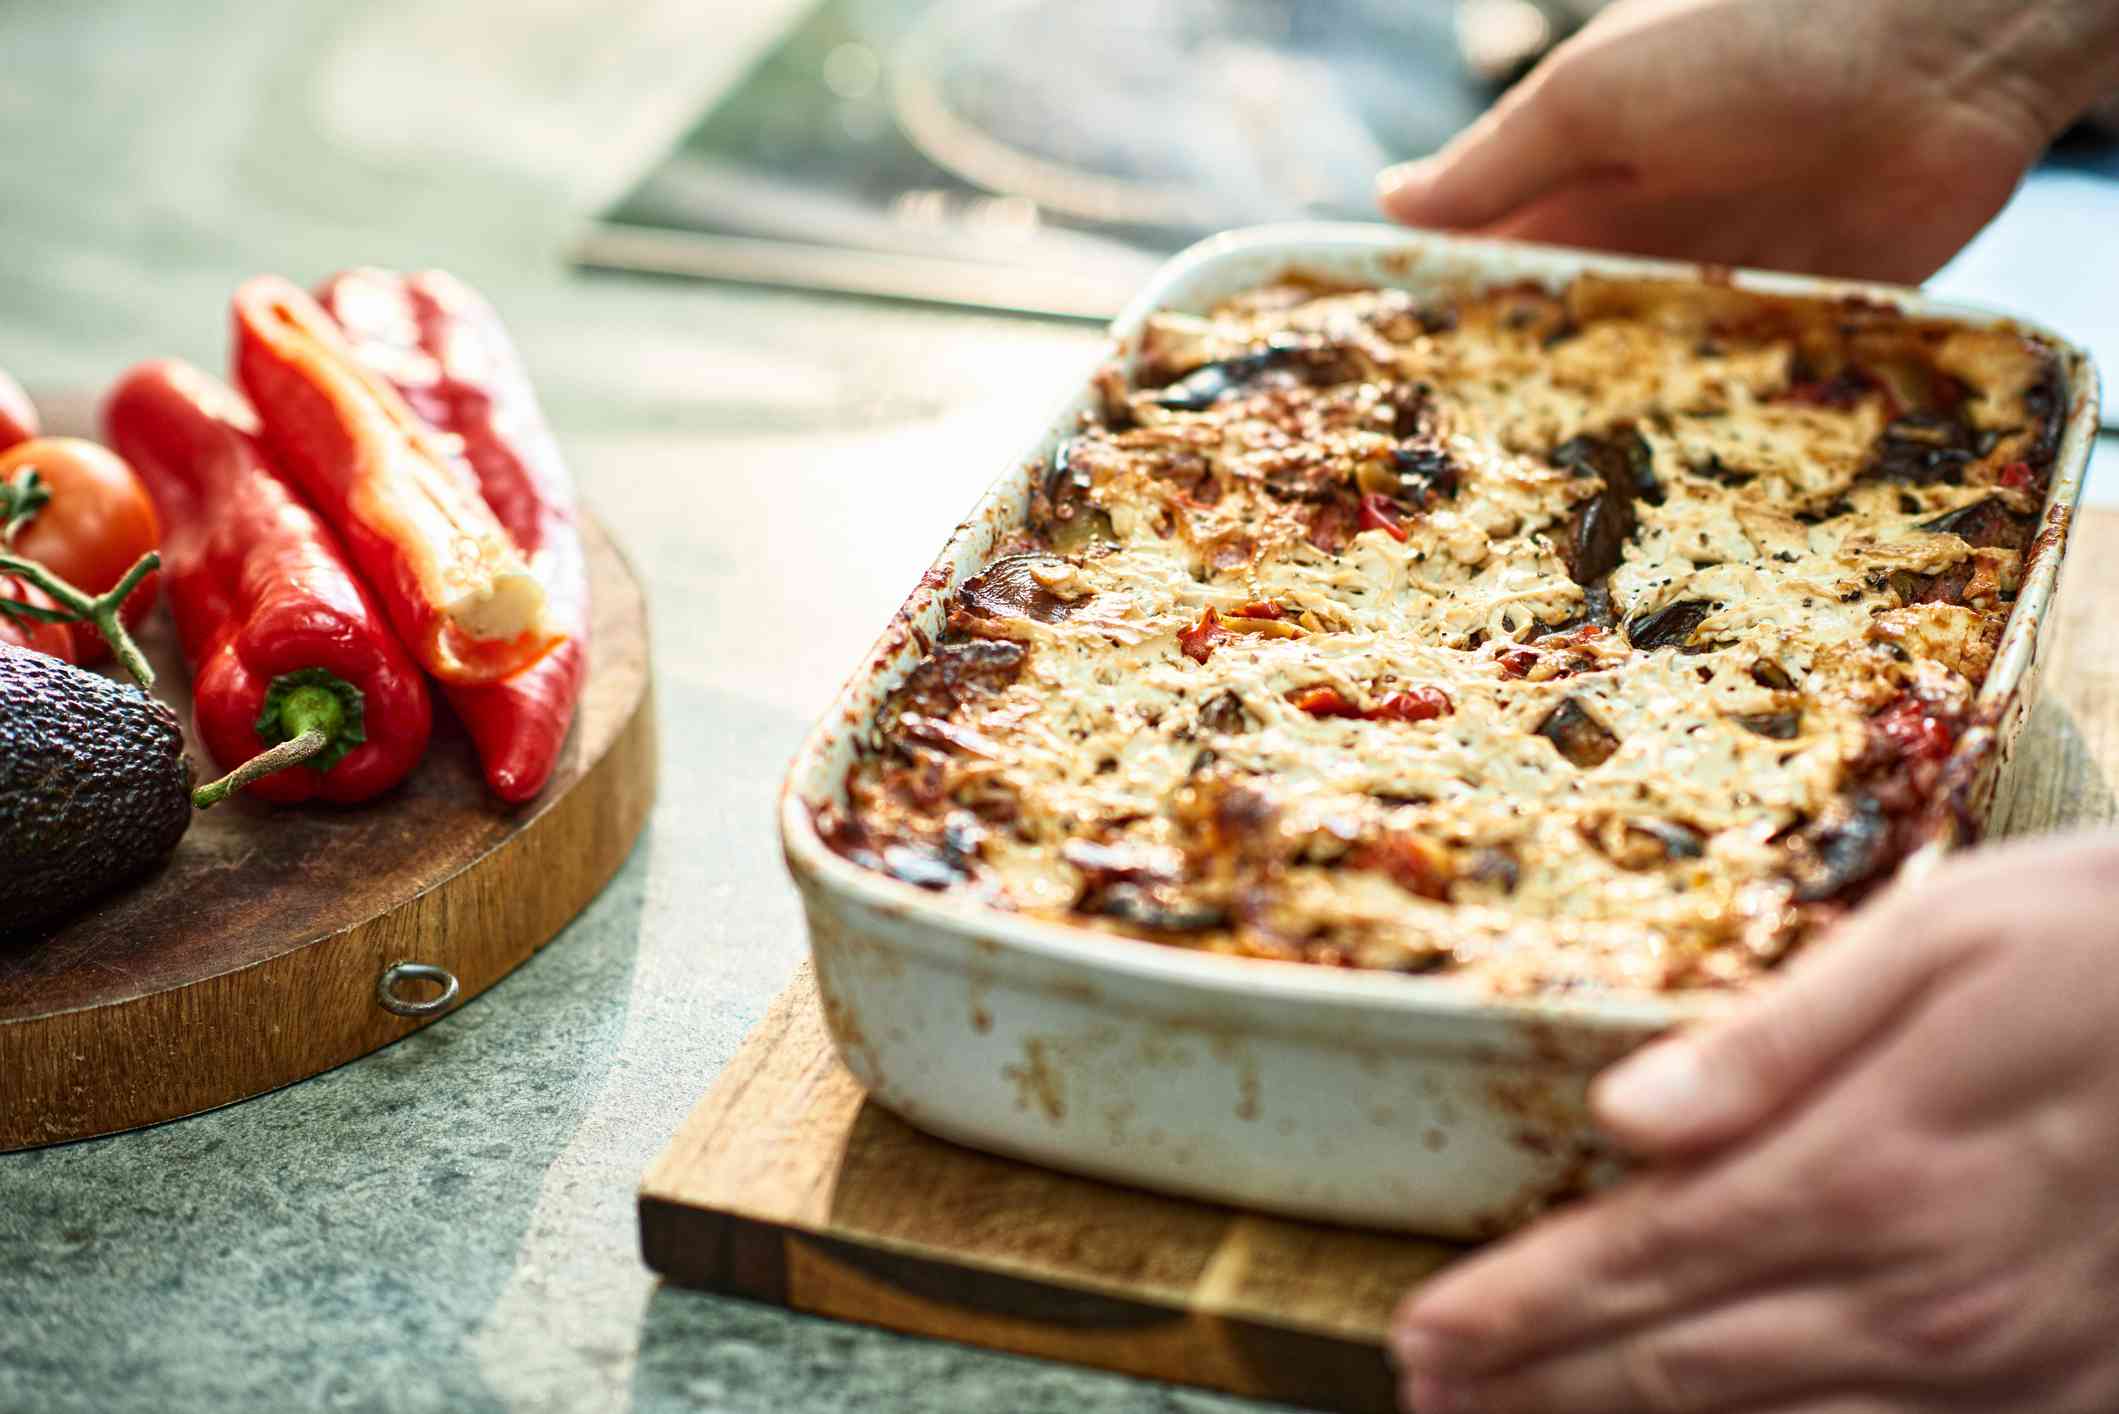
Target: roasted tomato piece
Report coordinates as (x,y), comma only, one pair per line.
(1517,662)
(1199,641)
(1331,527)
(1413,864)
(1325,702)
(1420,704)
(1378,513)
(1910,730)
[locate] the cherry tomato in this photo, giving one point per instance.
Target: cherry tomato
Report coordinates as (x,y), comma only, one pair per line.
(18,416)
(55,639)
(97,522)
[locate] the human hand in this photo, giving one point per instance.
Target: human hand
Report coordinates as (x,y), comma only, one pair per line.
(1862,138)
(1891,1183)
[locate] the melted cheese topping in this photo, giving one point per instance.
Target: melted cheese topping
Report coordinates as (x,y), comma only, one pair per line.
(1117,775)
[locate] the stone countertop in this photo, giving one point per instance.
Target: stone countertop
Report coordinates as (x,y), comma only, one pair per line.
(448,1224)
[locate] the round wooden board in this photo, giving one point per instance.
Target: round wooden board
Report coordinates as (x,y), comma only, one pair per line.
(250,961)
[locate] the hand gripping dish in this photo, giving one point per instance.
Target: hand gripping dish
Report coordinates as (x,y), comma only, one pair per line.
(1545,643)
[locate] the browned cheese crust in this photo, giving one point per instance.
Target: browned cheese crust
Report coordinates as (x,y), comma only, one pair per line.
(1610,639)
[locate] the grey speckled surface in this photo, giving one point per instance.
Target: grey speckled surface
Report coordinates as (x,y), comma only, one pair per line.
(448,1225)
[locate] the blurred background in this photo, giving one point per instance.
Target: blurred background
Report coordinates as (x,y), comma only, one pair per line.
(1028,155)
(1044,155)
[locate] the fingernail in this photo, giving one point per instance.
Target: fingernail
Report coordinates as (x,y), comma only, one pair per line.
(1432,1394)
(1651,1084)
(1394,184)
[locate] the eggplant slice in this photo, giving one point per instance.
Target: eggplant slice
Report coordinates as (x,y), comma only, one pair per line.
(1671,626)
(1984,525)
(1846,850)
(1006,589)
(1598,530)
(1577,735)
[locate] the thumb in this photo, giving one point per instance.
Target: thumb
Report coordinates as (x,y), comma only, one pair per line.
(1710,1086)
(1519,151)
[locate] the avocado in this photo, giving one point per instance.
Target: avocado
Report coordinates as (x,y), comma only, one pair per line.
(94,787)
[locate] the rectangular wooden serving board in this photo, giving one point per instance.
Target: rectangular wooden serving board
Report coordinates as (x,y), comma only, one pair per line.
(786,1185)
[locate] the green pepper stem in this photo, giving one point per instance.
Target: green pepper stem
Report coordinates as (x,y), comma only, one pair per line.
(312,707)
(288,753)
(101,610)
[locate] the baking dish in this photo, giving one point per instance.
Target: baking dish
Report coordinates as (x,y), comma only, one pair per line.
(1382,1100)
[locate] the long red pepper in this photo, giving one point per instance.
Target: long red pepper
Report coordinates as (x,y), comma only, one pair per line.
(442,346)
(282,637)
(455,586)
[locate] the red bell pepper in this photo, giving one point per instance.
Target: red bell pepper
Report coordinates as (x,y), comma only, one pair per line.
(285,643)
(445,350)
(457,589)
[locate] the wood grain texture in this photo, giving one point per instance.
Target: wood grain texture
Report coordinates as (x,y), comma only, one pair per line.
(786,1185)
(250,961)
(2065,773)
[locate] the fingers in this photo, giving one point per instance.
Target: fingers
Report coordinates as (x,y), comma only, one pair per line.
(1705,1088)
(1770,1349)
(1660,1245)
(1523,148)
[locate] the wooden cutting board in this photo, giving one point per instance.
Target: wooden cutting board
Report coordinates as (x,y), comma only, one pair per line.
(253,958)
(786,1185)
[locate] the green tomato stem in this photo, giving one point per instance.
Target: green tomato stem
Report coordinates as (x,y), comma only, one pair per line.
(101,610)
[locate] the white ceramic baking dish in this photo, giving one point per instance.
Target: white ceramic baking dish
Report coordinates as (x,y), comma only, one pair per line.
(1381,1100)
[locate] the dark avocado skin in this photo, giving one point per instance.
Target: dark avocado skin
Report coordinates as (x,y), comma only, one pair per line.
(94,787)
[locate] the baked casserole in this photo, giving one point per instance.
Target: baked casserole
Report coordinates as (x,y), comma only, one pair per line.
(1615,639)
